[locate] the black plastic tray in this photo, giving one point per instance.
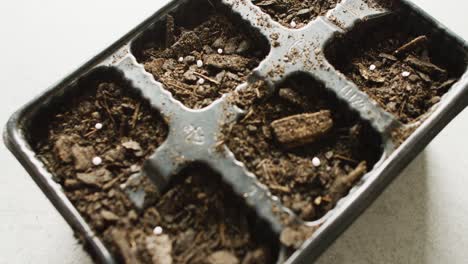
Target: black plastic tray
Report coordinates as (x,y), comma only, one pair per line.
(193,133)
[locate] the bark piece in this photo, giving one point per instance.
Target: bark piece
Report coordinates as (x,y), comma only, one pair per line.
(95,178)
(227,62)
(231,45)
(109,216)
(63,147)
(128,253)
(295,236)
(425,66)
(82,156)
(342,184)
(133,146)
(298,130)
(446,85)
(292,96)
(71,184)
(115,154)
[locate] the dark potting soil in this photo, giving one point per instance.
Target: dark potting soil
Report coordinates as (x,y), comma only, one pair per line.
(198,220)
(308,165)
(399,70)
(200,63)
(295,13)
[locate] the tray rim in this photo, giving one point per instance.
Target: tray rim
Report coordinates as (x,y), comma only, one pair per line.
(456,101)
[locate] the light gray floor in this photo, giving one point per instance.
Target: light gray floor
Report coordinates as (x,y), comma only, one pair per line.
(421,218)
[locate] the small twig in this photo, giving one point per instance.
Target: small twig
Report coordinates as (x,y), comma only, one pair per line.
(231,127)
(219,144)
(265,171)
(211,3)
(402,106)
(345,158)
(411,45)
(222,229)
(106,107)
(90,133)
(111,183)
(279,188)
(207,78)
(342,184)
(170,39)
(175,85)
(135,115)
(247,115)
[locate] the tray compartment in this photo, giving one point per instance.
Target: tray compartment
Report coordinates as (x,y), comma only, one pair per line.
(200,51)
(295,13)
(408,83)
(290,173)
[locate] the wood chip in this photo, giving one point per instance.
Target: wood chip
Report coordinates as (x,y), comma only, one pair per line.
(95,178)
(425,66)
(424,76)
(206,77)
(127,251)
(292,97)
(388,57)
(341,185)
(134,146)
(62,147)
(109,216)
(369,75)
(446,85)
(295,236)
(413,44)
(135,115)
(82,157)
(266,3)
(302,129)
(227,62)
(71,183)
(303,12)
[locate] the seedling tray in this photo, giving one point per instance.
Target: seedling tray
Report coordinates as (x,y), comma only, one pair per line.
(195,135)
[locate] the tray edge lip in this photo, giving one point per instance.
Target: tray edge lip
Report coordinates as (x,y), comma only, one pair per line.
(13,135)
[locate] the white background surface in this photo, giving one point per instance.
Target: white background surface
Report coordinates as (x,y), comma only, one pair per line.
(421,218)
